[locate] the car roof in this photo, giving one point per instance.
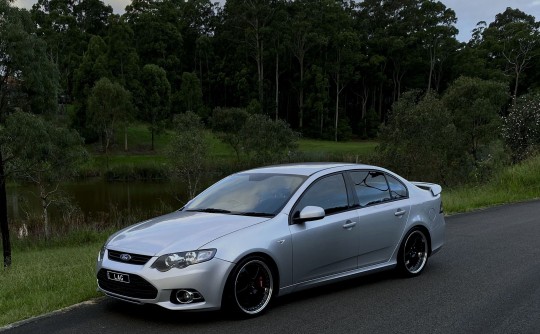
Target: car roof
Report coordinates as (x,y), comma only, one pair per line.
(304,168)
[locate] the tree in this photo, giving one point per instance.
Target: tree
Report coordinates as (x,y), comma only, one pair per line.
(513,41)
(188,151)
(476,106)
(155,100)
(41,153)
(419,139)
(28,81)
(226,123)
(191,92)
(109,105)
(268,141)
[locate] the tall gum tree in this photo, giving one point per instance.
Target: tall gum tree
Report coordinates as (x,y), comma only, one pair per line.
(28,81)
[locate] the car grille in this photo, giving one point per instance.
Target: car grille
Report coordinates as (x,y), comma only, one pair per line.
(137,287)
(134,258)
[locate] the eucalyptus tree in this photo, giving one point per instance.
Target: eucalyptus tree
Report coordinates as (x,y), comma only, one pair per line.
(513,40)
(154,102)
(122,57)
(41,153)
(109,106)
(436,31)
(159,40)
(302,38)
(251,19)
(67,26)
(28,81)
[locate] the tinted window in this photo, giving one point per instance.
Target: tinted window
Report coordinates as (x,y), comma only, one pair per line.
(371,187)
(328,193)
(397,189)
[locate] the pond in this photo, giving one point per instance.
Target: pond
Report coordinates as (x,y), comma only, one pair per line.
(95,196)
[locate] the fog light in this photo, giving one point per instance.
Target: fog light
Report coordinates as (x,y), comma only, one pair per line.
(184,296)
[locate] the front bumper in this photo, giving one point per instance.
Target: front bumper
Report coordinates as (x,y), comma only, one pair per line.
(150,286)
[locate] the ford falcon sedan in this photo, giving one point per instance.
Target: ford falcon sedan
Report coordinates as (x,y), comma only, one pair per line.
(268,232)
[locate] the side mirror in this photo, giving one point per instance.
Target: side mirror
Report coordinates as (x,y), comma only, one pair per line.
(310,213)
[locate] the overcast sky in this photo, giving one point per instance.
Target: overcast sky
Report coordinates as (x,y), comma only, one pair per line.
(468,12)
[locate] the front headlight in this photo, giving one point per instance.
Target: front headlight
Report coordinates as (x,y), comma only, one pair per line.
(183,259)
(101,253)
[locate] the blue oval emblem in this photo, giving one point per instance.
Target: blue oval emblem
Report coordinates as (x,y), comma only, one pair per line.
(125,257)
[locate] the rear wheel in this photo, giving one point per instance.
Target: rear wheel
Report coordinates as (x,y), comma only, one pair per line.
(250,287)
(413,254)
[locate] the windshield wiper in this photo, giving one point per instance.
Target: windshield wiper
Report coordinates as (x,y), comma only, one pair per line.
(210,210)
(255,214)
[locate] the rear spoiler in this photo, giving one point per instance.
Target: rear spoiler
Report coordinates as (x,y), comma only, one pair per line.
(435,189)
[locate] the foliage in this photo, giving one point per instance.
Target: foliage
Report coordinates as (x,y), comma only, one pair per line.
(419,139)
(39,152)
(268,141)
(188,151)
(154,103)
(521,128)
(191,93)
(28,81)
(226,123)
(476,106)
(109,105)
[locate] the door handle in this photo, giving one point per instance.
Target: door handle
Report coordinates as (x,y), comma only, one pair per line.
(349,224)
(400,213)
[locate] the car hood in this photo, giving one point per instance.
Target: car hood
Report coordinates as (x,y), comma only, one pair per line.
(178,231)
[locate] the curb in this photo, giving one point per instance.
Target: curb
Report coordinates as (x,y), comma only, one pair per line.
(50,314)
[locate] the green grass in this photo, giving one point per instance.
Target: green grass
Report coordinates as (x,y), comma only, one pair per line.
(513,184)
(43,280)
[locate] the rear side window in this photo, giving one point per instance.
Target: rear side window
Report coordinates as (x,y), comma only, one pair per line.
(329,193)
(397,189)
(371,187)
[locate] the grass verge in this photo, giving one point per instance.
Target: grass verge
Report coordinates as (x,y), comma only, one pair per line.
(43,280)
(513,184)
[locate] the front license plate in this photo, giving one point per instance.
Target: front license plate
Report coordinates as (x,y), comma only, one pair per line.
(118,277)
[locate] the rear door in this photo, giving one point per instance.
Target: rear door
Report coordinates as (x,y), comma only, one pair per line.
(382,216)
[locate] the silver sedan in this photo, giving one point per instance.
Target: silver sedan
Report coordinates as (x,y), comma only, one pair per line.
(270,231)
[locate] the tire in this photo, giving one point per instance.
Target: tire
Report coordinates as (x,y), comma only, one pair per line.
(249,288)
(413,253)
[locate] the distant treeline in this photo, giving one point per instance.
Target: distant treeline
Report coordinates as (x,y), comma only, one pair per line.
(329,68)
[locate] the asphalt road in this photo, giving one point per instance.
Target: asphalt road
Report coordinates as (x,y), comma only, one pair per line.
(485,280)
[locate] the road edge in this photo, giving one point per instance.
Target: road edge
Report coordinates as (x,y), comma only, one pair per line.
(19,323)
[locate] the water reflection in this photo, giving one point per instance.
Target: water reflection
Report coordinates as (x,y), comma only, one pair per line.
(94,196)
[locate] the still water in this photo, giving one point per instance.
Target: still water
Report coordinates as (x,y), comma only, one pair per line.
(95,196)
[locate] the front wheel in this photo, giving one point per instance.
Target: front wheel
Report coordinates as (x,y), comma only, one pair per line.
(413,253)
(250,287)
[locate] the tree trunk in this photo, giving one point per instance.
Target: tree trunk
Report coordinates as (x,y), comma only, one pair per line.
(125,139)
(277,86)
(514,98)
(4,227)
(337,107)
(301,95)
(45,214)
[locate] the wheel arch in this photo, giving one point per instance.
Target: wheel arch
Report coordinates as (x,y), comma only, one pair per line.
(425,230)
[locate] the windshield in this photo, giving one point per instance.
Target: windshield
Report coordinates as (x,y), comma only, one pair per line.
(248,194)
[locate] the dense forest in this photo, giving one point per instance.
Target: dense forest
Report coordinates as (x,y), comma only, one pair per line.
(331,69)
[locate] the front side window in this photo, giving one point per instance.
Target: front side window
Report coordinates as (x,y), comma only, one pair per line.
(329,193)
(371,187)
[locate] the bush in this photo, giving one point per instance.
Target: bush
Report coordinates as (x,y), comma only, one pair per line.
(419,139)
(521,128)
